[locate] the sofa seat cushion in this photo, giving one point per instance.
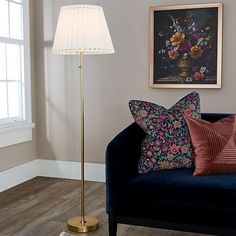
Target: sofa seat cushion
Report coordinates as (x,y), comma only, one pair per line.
(180,187)
(177,196)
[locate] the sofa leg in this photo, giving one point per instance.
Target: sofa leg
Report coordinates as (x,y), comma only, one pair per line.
(112,225)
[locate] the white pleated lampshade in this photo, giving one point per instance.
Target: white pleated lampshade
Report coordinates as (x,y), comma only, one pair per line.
(82,28)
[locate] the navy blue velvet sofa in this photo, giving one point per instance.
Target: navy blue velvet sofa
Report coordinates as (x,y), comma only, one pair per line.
(170,199)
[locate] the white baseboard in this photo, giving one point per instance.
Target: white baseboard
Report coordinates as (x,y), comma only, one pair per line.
(50,168)
(71,170)
(17,175)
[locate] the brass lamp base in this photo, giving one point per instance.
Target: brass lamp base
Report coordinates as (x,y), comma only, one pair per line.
(74,224)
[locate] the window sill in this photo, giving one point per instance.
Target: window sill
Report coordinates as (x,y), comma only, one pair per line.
(16,133)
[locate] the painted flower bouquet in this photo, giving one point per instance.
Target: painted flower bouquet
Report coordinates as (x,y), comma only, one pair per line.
(187,45)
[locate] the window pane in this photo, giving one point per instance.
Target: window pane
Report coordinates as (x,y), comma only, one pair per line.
(13,62)
(2,61)
(4,23)
(16,19)
(20,1)
(14,99)
(3,100)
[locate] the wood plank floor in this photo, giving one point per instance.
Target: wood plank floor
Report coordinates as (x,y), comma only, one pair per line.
(41,206)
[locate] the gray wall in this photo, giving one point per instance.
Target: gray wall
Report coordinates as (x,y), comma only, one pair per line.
(111,81)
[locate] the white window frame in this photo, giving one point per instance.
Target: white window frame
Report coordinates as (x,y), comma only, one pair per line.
(21,131)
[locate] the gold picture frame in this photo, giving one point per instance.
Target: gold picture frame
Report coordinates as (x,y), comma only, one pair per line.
(186,46)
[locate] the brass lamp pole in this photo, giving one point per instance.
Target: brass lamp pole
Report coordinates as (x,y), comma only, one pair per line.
(82,30)
(82,223)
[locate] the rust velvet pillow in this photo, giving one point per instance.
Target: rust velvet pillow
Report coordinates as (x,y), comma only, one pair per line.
(214,145)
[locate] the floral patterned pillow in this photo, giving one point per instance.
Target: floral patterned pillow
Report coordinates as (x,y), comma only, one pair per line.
(167,144)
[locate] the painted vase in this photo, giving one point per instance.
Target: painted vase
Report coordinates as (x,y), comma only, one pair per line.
(184,66)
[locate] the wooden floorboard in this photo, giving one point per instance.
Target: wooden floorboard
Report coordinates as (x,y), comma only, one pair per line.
(41,207)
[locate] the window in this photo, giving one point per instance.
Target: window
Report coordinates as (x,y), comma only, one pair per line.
(15,90)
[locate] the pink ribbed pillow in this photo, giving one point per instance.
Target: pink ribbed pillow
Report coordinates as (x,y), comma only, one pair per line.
(214,145)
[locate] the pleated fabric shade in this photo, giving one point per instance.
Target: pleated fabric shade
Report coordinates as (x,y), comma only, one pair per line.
(82,29)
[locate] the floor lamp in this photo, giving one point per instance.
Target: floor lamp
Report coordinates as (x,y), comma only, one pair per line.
(82,30)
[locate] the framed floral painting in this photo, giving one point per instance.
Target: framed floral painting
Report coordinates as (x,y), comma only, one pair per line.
(186,46)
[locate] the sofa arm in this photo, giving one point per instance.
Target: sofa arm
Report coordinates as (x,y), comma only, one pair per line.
(122,155)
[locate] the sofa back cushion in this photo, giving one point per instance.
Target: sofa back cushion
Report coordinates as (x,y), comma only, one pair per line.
(214,145)
(167,143)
